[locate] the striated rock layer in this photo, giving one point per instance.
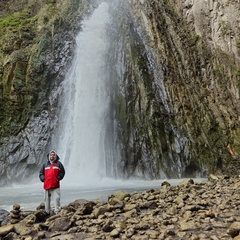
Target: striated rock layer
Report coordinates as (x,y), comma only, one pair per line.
(178,108)
(36,46)
(195,45)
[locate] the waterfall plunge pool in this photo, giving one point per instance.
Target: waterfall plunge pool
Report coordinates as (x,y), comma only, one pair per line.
(29,196)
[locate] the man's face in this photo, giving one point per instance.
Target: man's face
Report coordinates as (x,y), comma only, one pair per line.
(52,156)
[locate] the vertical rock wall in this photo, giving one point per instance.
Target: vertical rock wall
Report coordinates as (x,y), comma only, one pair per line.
(197,45)
(36,44)
(177,105)
(153,145)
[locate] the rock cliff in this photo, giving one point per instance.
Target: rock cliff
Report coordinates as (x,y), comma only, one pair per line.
(37,39)
(195,45)
(179,109)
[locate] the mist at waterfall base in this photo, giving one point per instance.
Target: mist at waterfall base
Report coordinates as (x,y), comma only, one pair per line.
(30,196)
(82,142)
(82,138)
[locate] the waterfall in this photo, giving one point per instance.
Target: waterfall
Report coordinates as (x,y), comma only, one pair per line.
(85,120)
(115,119)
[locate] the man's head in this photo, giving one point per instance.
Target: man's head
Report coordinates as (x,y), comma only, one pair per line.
(52,156)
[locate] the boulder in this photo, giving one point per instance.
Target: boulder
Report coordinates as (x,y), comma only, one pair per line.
(4,230)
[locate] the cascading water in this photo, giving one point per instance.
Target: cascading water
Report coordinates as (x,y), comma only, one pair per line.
(84,127)
(86,137)
(115,70)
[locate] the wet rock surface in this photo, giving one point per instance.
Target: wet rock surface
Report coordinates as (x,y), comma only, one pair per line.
(186,55)
(29,98)
(194,36)
(190,210)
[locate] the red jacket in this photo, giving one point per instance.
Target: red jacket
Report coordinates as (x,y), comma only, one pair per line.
(51,173)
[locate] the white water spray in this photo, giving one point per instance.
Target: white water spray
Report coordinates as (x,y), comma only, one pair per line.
(85,107)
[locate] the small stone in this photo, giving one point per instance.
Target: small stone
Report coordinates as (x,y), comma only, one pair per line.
(234,229)
(115,233)
(16,207)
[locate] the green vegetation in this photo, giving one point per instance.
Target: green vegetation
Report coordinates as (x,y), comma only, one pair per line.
(238,45)
(226,27)
(169,8)
(16,21)
(237,73)
(27,33)
(195,39)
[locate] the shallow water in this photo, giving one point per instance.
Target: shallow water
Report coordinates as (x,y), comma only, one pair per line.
(30,196)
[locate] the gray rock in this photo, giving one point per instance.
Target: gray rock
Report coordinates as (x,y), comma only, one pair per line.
(60,224)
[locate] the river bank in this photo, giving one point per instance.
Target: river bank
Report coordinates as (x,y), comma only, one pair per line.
(190,210)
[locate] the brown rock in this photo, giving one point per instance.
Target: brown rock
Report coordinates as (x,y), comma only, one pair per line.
(234,229)
(120,195)
(16,207)
(4,230)
(11,236)
(21,229)
(115,232)
(188,226)
(237,237)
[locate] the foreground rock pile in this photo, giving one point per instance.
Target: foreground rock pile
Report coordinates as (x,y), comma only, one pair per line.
(191,211)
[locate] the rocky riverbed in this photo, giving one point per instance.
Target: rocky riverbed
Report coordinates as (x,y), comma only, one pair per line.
(191,211)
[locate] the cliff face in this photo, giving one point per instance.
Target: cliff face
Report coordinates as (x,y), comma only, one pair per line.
(196,44)
(179,105)
(36,43)
(37,38)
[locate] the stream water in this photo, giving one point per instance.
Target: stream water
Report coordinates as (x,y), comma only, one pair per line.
(29,196)
(82,139)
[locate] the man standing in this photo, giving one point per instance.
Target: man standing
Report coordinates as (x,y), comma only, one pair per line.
(51,173)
